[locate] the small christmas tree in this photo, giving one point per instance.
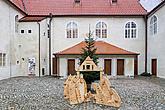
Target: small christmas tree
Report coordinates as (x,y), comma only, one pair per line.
(89,49)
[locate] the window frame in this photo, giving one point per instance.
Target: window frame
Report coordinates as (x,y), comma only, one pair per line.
(152,26)
(29,31)
(114,1)
(101,29)
(136,36)
(22,31)
(16,23)
(71,29)
(3,59)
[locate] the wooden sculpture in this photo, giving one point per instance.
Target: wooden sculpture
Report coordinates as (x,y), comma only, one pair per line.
(75,87)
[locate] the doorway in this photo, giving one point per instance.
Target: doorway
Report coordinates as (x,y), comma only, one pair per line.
(107,66)
(154,67)
(120,66)
(71,67)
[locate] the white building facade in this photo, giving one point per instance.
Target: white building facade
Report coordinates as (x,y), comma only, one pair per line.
(115,35)
(43,42)
(156,60)
(8,33)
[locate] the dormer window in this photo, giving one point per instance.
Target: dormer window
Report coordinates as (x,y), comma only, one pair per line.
(114,1)
(77,1)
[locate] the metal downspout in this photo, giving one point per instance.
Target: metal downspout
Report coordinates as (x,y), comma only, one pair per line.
(146,43)
(50,23)
(39,48)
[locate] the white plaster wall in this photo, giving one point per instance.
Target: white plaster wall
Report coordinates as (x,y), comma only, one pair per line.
(156,47)
(44,46)
(63,67)
(129,67)
(128,64)
(27,46)
(7,35)
(115,34)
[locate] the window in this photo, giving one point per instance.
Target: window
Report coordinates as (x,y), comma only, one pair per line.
(114,1)
(72,30)
(77,1)
(22,31)
(29,31)
(87,67)
(101,30)
(153,25)
(2,59)
(16,23)
(130,30)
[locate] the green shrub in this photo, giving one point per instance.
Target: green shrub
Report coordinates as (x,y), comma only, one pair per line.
(91,76)
(146,74)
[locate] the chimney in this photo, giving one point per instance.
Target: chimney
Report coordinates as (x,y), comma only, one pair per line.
(114,2)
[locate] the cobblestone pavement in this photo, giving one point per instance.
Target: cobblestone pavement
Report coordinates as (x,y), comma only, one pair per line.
(46,93)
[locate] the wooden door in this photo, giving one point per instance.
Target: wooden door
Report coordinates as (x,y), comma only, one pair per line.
(71,67)
(55,66)
(154,67)
(120,67)
(107,66)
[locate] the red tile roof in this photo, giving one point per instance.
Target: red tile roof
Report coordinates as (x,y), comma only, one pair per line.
(103,48)
(31,19)
(87,7)
(19,4)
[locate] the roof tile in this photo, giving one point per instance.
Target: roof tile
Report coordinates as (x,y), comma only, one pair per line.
(87,7)
(103,48)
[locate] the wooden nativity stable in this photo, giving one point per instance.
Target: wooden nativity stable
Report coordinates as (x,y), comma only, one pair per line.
(75,87)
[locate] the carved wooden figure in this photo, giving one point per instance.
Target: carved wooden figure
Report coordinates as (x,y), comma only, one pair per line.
(75,87)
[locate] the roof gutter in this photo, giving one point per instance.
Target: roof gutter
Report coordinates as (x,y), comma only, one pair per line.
(50,54)
(88,15)
(99,54)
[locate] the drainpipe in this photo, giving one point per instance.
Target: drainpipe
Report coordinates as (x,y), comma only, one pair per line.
(50,23)
(39,48)
(146,42)
(10,45)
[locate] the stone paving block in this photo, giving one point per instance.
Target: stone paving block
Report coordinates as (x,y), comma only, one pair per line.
(46,93)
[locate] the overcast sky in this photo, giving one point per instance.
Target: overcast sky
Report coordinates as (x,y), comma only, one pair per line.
(150,4)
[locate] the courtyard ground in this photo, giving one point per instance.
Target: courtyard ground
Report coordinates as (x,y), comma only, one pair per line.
(46,93)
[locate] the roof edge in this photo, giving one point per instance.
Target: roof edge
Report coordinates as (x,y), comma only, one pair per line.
(32,20)
(129,52)
(143,7)
(15,6)
(97,54)
(156,8)
(70,15)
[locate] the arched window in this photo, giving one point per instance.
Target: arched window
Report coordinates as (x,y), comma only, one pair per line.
(72,30)
(16,23)
(101,30)
(130,30)
(153,25)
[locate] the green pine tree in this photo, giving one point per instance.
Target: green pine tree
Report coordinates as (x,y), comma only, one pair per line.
(89,49)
